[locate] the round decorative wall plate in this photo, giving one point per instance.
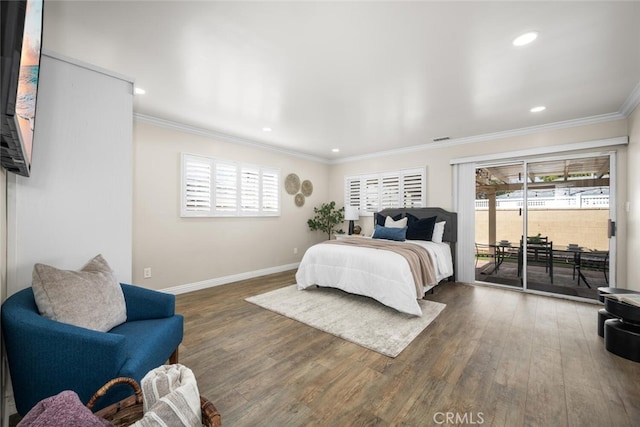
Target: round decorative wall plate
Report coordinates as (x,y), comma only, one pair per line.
(292,183)
(307,188)
(299,199)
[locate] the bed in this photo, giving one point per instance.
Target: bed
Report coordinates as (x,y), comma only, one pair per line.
(382,274)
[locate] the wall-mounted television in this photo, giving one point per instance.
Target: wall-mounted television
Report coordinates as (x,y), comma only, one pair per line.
(20,69)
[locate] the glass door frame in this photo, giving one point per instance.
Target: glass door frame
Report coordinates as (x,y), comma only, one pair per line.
(564,156)
(497,165)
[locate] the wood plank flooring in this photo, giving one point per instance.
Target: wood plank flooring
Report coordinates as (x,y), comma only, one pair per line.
(492,357)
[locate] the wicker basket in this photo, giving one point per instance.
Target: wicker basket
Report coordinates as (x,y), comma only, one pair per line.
(129,410)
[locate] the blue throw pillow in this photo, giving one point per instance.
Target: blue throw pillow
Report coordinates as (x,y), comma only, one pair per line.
(420,229)
(388,233)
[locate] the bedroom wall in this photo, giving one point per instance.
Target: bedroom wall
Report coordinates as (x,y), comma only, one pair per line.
(633,216)
(191,253)
(440,173)
(77,201)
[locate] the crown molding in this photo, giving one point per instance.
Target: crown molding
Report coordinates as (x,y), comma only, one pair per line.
(536,151)
(632,101)
(220,136)
(630,104)
(603,118)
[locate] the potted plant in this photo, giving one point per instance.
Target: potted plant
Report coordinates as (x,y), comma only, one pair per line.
(327,218)
(535,239)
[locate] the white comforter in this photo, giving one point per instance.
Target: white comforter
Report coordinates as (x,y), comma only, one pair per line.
(382,275)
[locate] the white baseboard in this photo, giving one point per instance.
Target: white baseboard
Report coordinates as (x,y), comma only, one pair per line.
(190,287)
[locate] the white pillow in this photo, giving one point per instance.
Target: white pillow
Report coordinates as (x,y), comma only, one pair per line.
(438,232)
(390,223)
(90,298)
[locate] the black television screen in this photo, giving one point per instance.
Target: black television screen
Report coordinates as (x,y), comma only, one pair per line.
(21,45)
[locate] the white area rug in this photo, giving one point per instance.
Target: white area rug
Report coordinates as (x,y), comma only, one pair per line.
(358,319)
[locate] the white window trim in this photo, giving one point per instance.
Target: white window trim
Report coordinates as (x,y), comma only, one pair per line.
(371,196)
(266,190)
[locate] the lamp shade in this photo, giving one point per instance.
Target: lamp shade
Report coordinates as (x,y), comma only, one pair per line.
(351,213)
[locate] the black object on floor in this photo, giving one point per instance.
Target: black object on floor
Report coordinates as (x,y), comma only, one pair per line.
(619,323)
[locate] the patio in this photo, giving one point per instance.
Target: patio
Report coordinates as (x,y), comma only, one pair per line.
(562,207)
(566,280)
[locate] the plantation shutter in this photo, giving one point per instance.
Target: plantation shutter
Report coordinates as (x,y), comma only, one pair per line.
(413,189)
(270,192)
(352,193)
(196,177)
(249,190)
(213,187)
(226,188)
(372,193)
(390,192)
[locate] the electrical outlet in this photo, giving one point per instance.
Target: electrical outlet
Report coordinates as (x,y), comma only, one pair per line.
(147,272)
(295,251)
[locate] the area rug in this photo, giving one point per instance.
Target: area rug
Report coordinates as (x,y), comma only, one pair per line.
(357,319)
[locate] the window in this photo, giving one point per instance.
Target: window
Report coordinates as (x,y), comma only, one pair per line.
(196,185)
(374,192)
(215,187)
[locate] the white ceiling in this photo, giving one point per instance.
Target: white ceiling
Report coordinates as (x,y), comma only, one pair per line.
(363,77)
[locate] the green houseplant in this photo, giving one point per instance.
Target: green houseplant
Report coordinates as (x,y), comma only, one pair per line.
(327,218)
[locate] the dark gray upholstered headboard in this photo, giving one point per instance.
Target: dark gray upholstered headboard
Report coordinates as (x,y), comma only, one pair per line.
(450,228)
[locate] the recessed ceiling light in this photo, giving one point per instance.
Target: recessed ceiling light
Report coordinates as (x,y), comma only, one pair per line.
(525,38)
(335,150)
(139,91)
(538,109)
(267,129)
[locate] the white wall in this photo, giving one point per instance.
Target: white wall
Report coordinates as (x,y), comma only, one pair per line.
(440,184)
(633,197)
(78,201)
(192,253)
(200,252)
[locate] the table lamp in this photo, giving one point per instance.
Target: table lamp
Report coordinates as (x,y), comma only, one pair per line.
(351,214)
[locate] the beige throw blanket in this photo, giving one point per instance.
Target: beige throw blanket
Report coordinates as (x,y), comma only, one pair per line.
(418,258)
(170,398)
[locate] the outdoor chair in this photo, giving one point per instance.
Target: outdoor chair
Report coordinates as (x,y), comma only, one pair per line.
(539,252)
(595,260)
(482,250)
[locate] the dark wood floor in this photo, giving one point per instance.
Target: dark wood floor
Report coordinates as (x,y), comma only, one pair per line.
(492,357)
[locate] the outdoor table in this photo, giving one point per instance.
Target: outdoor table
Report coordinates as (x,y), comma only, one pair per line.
(500,251)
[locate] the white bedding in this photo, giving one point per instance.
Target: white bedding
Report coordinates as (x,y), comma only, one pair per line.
(379,274)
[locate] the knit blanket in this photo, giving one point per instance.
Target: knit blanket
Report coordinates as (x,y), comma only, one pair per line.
(170,398)
(62,410)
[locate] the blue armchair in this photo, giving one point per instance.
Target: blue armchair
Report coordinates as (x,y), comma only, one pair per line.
(46,357)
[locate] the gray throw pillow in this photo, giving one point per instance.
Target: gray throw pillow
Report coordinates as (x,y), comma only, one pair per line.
(91,298)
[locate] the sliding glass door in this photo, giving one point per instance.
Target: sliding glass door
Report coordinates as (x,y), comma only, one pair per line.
(562,206)
(567,222)
(499,223)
